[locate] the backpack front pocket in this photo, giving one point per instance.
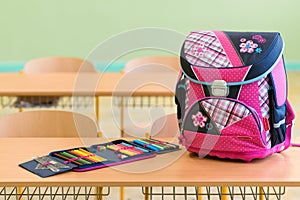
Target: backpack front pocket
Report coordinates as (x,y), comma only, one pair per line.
(213,115)
(223,127)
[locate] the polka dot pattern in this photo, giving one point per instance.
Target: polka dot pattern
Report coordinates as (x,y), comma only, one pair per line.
(226,74)
(195,93)
(249,95)
(198,141)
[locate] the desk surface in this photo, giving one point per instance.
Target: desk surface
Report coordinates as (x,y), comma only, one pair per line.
(278,170)
(94,84)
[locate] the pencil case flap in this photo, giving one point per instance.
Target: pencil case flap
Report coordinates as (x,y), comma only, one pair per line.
(46,166)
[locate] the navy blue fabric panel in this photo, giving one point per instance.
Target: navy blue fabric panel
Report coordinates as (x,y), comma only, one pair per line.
(279,133)
(277,114)
(234,91)
(265,44)
(209,128)
(207,90)
(265,64)
(269,48)
(180,98)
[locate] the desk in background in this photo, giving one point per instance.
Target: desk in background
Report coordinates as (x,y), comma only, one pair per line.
(99,84)
(95,85)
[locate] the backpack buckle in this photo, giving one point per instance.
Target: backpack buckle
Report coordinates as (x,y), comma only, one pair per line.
(219,88)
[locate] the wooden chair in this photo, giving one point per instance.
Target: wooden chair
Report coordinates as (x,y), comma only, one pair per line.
(47,123)
(155,64)
(58,64)
(165,127)
(51,65)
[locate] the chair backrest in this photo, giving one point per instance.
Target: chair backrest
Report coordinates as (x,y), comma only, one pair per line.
(58,64)
(153,64)
(47,123)
(165,126)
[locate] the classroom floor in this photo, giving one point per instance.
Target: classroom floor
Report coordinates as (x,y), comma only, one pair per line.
(144,116)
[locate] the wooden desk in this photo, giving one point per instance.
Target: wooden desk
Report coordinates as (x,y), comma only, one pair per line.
(89,84)
(15,84)
(92,84)
(185,170)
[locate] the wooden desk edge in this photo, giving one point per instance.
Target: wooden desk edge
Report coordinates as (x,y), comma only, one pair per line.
(149,184)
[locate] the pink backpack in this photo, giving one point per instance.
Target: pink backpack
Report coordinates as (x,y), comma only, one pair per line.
(231,95)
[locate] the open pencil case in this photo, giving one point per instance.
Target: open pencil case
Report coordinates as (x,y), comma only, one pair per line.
(88,158)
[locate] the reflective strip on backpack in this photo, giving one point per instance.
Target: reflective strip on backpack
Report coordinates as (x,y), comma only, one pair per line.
(277,125)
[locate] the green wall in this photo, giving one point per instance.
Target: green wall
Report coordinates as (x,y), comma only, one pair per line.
(37,28)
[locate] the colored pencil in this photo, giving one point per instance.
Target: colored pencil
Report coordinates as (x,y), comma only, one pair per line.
(154,144)
(147,145)
(83,156)
(139,148)
(115,148)
(129,148)
(67,160)
(70,155)
(91,155)
(166,143)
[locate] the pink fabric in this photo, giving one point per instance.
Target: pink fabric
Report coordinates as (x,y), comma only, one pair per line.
(223,146)
(246,127)
(195,93)
(197,142)
(229,49)
(249,95)
(279,78)
(245,146)
(290,116)
(247,139)
(226,74)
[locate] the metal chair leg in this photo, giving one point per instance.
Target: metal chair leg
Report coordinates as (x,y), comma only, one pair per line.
(224,192)
(147,193)
(261,193)
(122,193)
(97,107)
(99,191)
(199,193)
(122,116)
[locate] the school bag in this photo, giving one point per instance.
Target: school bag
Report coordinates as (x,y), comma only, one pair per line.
(231,95)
